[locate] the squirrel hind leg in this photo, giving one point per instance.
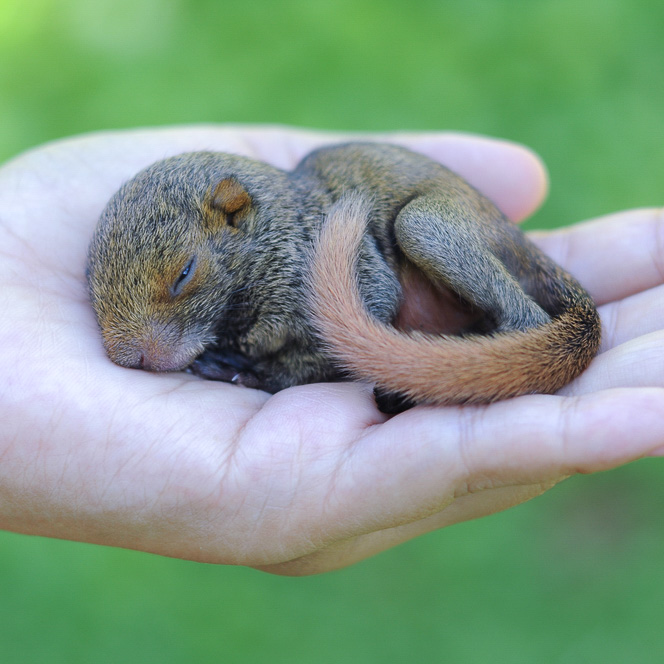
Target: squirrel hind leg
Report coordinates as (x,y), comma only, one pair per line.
(451,249)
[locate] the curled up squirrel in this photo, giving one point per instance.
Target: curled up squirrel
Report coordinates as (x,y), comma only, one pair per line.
(367,260)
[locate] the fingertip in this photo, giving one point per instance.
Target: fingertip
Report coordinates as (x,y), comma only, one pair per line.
(512,175)
(534,178)
(613,427)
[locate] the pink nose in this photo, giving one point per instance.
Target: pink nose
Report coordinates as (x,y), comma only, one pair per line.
(140,359)
(161,348)
(155,360)
(161,362)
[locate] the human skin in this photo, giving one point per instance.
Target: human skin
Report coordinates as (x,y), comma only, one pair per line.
(312,478)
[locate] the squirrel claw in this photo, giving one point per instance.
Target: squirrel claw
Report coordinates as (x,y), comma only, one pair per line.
(215,366)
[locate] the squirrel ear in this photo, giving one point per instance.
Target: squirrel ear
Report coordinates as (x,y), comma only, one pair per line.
(229,198)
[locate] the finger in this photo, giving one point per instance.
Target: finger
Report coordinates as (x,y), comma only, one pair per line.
(512,176)
(582,448)
(632,317)
(416,464)
(348,552)
(612,257)
(636,363)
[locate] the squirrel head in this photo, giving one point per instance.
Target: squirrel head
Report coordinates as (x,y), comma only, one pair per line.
(169,252)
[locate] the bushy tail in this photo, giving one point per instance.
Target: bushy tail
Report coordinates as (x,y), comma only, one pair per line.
(438,368)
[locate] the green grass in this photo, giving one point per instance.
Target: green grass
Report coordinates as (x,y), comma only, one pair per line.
(574,576)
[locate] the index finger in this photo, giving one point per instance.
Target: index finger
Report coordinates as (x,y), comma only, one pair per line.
(613,257)
(511,175)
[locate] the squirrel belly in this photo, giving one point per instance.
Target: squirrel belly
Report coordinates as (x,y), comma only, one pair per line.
(440,369)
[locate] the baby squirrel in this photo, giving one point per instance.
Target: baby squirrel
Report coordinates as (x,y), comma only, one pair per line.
(246,273)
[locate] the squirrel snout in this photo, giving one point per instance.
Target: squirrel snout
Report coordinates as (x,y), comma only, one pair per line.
(160,349)
(154,363)
(151,358)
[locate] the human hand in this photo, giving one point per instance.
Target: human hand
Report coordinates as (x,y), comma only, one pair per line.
(314,477)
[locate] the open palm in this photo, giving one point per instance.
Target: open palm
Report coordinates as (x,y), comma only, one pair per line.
(314,477)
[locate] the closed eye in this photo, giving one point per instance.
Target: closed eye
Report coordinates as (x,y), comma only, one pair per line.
(184,277)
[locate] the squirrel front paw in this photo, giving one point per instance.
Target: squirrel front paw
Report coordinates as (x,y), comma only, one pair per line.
(227,367)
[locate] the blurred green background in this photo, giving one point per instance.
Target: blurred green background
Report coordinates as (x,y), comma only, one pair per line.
(573,576)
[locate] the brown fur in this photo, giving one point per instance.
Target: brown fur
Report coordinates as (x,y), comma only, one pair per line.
(205,261)
(426,367)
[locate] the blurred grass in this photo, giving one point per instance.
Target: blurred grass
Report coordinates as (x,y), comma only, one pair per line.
(579,82)
(574,576)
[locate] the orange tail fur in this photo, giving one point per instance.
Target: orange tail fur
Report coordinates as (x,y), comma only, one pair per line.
(437,368)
